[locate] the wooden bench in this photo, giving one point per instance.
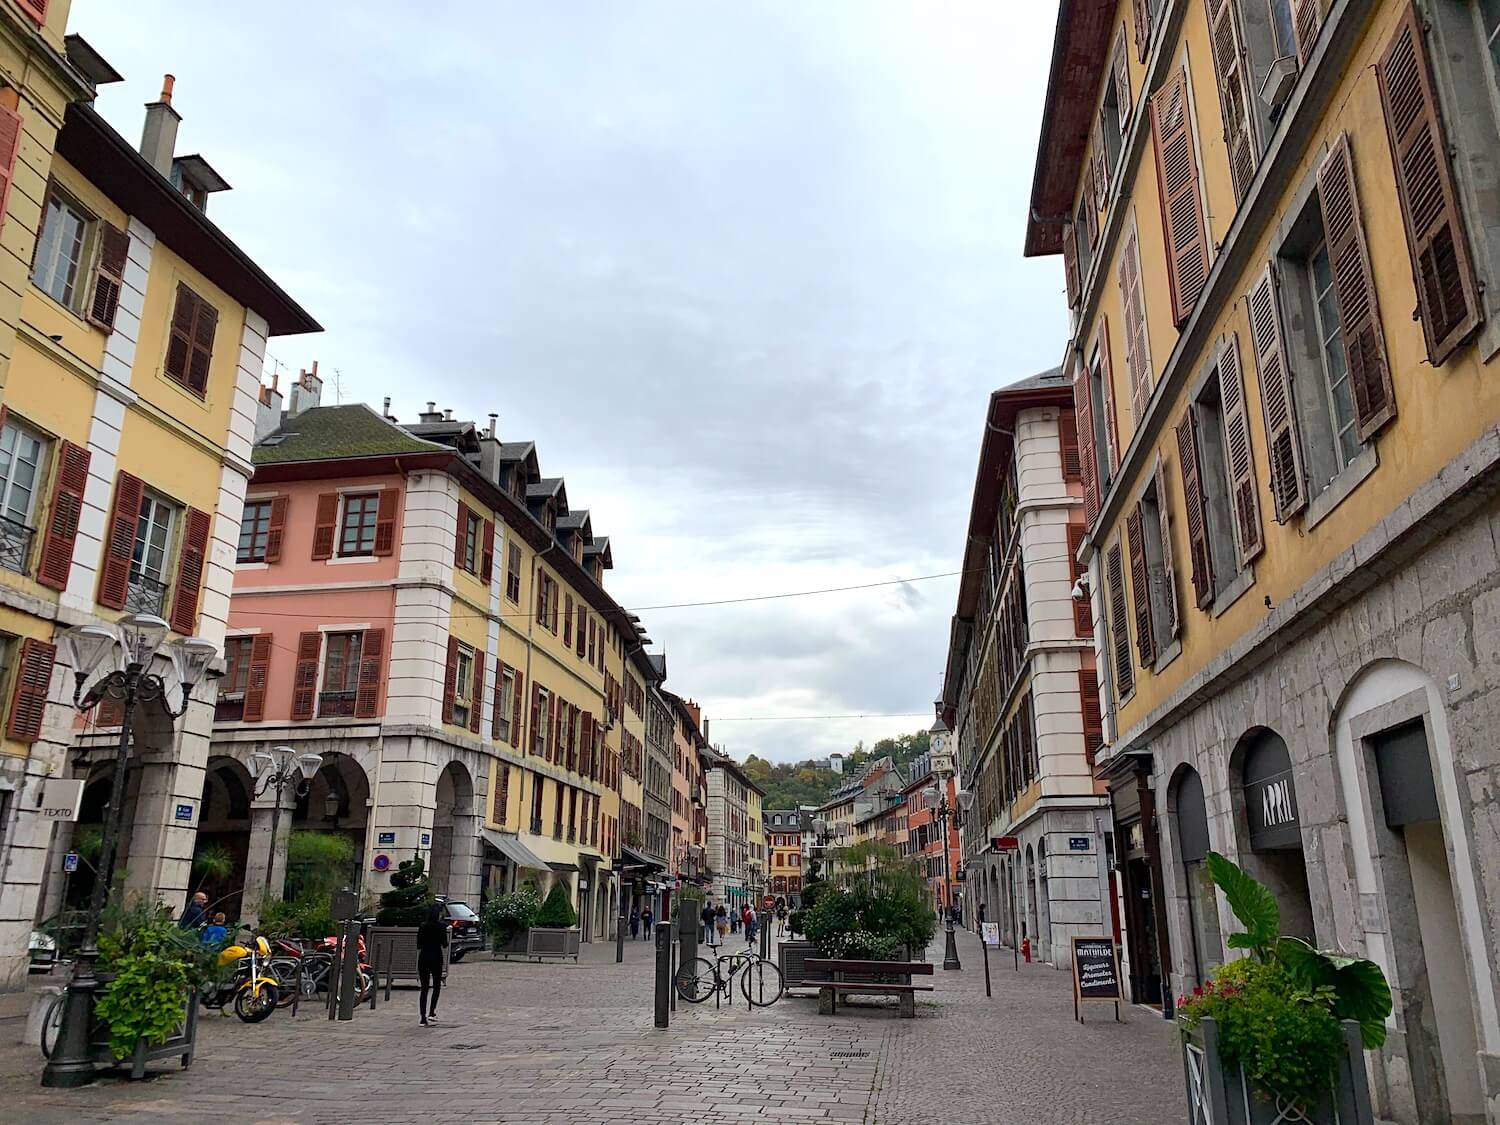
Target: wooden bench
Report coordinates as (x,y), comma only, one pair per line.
(866,978)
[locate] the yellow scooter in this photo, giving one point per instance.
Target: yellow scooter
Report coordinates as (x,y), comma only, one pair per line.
(250,985)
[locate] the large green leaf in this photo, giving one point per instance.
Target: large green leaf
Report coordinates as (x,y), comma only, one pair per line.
(1359,985)
(1252,903)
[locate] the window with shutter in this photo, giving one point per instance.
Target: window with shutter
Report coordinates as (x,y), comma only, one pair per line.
(1307,17)
(1119,632)
(1283,445)
(257,676)
(305,676)
(1180,195)
(1231,69)
(450,680)
(1354,284)
(1192,501)
(371,667)
(56,561)
(119,546)
(1083,618)
(1107,439)
(191,557)
(190,341)
(1447,289)
(1243,494)
(11,131)
(1137,348)
(28,702)
(1140,588)
(1067,439)
(1088,459)
(109,275)
(1070,264)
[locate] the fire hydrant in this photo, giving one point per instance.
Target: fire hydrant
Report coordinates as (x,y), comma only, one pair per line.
(1026,949)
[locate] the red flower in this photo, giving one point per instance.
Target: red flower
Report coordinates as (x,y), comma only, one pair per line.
(1197,992)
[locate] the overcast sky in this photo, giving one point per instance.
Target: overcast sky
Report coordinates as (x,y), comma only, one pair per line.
(746,272)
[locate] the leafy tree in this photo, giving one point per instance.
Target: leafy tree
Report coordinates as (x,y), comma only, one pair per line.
(558,909)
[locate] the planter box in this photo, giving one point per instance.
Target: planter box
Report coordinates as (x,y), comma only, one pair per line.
(393,951)
(515,947)
(790,956)
(1221,1095)
(177,1045)
(552,941)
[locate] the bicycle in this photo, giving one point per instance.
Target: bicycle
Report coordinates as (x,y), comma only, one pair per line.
(761,981)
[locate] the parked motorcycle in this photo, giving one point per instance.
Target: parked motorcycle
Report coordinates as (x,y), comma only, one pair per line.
(245,979)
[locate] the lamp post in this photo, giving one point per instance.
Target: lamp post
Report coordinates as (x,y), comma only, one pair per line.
(938,803)
(277,768)
(121,657)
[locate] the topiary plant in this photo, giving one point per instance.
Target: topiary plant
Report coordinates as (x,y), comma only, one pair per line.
(558,909)
(409,897)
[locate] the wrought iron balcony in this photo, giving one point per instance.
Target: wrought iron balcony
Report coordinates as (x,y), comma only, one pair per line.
(536,826)
(229,708)
(335,704)
(145,595)
(15,545)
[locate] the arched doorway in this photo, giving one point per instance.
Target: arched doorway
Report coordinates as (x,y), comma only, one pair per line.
(1267,814)
(454,862)
(337,803)
(1044,904)
(1189,815)
(1029,920)
(221,853)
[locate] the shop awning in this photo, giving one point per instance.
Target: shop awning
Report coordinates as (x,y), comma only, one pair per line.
(510,846)
(632,858)
(563,868)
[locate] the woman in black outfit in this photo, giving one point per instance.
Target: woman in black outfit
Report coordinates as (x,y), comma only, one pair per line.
(432,940)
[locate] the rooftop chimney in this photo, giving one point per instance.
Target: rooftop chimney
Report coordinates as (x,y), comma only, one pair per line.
(448,415)
(268,410)
(307,392)
(431,414)
(159,137)
(385,409)
(494,418)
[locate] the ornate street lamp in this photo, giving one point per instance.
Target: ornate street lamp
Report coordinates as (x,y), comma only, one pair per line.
(279,767)
(938,803)
(117,659)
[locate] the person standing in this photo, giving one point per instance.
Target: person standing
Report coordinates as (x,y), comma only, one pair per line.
(781,921)
(646,919)
(706,916)
(432,941)
(721,922)
(635,922)
(196,912)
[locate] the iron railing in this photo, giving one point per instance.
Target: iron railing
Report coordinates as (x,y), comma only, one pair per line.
(15,544)
(145,595)
(335,704)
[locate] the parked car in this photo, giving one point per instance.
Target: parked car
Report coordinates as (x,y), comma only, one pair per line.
(466,932)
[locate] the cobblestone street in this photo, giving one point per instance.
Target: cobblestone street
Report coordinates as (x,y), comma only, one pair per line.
(569,1044)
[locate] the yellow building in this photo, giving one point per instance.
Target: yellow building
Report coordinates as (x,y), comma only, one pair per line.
(1281,245)
(784,853)
(132,332)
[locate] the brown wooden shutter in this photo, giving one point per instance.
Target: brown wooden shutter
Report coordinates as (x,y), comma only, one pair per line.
(1354,285)
(109,275)
(450,680)
(36,9)
(10,147)
(114,569)
(1067,440)
(567,619)
(516,725)
(579,645)
(1140,586)
(325,526)
(487,552)
(554,749)
(1088,462)
(1283,443)
(476,701)
(541,597)
(499,688)
(1243,491)
(1178,188)
(1070,264)
(204,325)
(1107,383)
(1230,70)
(1169,570)
(461,535)
(1121,69)
(1307,17)
(1137,354)
(190,563)
(28,703)
(1093,724)
(371,665)
(1099,162)
(276,528)
(256,678)
(552,603)
(502,794)
(385,523)
(1083,613)
(1197,518)
(180,337)
(536,714)
(1140,12)
(1091,214)
(1119,632)
(62,519)
(1447,290)
(305,677)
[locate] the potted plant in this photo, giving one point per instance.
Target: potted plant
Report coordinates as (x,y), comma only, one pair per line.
(552,933)
(1280,1033)
(508,920)
(393,940)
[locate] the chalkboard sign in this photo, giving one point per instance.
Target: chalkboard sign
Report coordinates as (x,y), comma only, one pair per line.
(1096,973)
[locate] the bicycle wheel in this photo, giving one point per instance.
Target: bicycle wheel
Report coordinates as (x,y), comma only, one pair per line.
(762,983)
(696,980)
(52,1025)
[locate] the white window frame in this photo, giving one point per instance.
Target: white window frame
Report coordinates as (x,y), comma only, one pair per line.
(46,273)
(463,684)
(7,475)
(160,506)
(344,502)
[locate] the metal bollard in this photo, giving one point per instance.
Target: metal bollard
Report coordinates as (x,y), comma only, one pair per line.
(374,977)
(348,976)
(663,973)
(297,984)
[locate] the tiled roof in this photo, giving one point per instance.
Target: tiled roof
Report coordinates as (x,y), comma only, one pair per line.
(326,433)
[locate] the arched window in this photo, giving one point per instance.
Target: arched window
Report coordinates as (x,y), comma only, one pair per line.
(1190,816)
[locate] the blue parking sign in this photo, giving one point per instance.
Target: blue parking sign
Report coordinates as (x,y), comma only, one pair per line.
(70,861)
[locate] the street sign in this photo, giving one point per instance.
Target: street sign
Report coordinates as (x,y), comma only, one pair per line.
(386,838)
(1078,843)
(382,862)
(61,798)
(1005,843)
(990,931)
(70,861)
(184,812)
(426,839)
(768,902)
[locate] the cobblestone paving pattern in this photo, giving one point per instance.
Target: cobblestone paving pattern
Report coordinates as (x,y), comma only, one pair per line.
(564,1044)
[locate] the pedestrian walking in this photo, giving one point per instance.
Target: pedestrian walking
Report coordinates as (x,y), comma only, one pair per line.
(982,908)
(635,922)
(706,916)
(646,919)
(735,918)
(750,925)
(781,921)
(432,940)
(721,922)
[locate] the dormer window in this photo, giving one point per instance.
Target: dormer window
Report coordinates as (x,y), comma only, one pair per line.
(549,517)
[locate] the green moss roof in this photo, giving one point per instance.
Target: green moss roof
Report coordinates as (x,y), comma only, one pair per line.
(326,433)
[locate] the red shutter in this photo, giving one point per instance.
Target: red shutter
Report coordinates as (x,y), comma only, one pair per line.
(1177,185)
(1140,12)
(110,712)
(1070,264)
(62,521)
(1169,570)
(1119,632)
(515,720)
(476,691)
(1083,409)
(554,722)
(325,526)
(1083,616)
(36,9)
(109,275)
(1197,519)
(567,620)
(1140,587)
(1098,158)
(10,146)
(1447,290)
(305,678)
(461,535)
(1283,444)
(1093,725)
(371,661)
(502,795)
(578,641)
(1243,493)
(28,704)
(257,677)
(385,523)
(1067,440)
(276,528)
(552,603)
(541,598)
(1107,383)
(536,714)
(487,552)
(1307,17)
(499,687)
(190,562)
(1353,283)
(450,680)
(114,569)
(1230,69)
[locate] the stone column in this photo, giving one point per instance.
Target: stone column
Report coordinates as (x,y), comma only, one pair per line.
(407,796)
(164,827)
(261,813)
